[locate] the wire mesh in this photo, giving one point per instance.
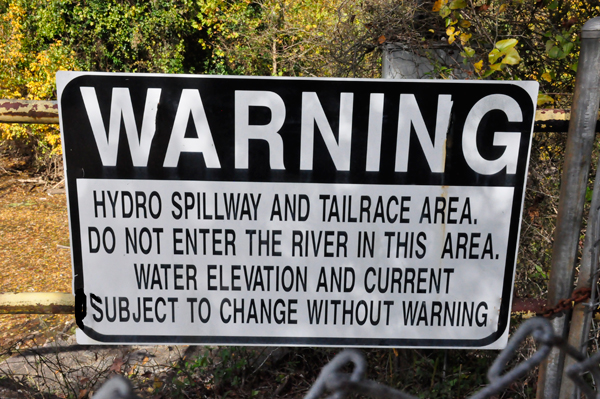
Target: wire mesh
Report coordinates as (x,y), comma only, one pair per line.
(338,385)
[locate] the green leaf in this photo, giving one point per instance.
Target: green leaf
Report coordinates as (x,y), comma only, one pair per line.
(574,66)
(539,268)
(512,57)
(445,11)
(588,194)
(549,45)
(458,4)
(541,271)
(554,52)
(469,52)
(567,47)
(15,204)
(506,44)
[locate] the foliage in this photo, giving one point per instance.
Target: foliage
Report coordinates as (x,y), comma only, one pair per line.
(39,37)
(518,39)
(498,39)
(126,36)
(36,258)
(495,39)
(539,215)
(27,71)
(432,373)
(504,39)
(222,368)
(468,28)
(270,37)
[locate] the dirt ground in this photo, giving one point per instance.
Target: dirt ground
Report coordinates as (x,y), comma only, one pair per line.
(38,354)
(34,251)
(39,358)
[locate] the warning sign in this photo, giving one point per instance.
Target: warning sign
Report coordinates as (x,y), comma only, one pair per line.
(268,211)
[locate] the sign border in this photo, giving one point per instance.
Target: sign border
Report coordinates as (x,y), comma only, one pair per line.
(65,78)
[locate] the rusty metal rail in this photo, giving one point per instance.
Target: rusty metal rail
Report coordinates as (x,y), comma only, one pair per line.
(64,303)
(554,120)
(46,112)
(25,111)
(37,303)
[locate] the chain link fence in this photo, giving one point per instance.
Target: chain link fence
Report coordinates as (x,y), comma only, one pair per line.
(531,282)
(337,384)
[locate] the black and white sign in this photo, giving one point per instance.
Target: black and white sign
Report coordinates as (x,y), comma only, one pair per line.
(274,211)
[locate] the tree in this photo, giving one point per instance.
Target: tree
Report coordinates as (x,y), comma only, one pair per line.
(278,37)
(515,39)
(39,37)
(498,39)
(125,36)
(27,69)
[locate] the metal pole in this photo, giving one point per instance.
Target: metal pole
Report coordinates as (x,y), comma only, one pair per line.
(586,100)
(582,314)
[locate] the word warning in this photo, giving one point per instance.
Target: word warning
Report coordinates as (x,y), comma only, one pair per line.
(271,211)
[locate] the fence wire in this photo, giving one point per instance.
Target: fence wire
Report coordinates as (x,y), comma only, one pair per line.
(338,385)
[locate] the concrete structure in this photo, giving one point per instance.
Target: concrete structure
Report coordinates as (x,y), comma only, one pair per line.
(399,62)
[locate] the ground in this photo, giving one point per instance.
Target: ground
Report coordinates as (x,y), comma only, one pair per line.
(39,358)
(34,249)
(38,354)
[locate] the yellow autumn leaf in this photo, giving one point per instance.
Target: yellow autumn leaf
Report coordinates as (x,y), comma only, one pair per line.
(478,65)
(452,32)
(544,99)
(512,57)
(546,76)
(437,6)
(506,44)
(502,8)
(458,4)
(469,52)
(494,56)
(464,38)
